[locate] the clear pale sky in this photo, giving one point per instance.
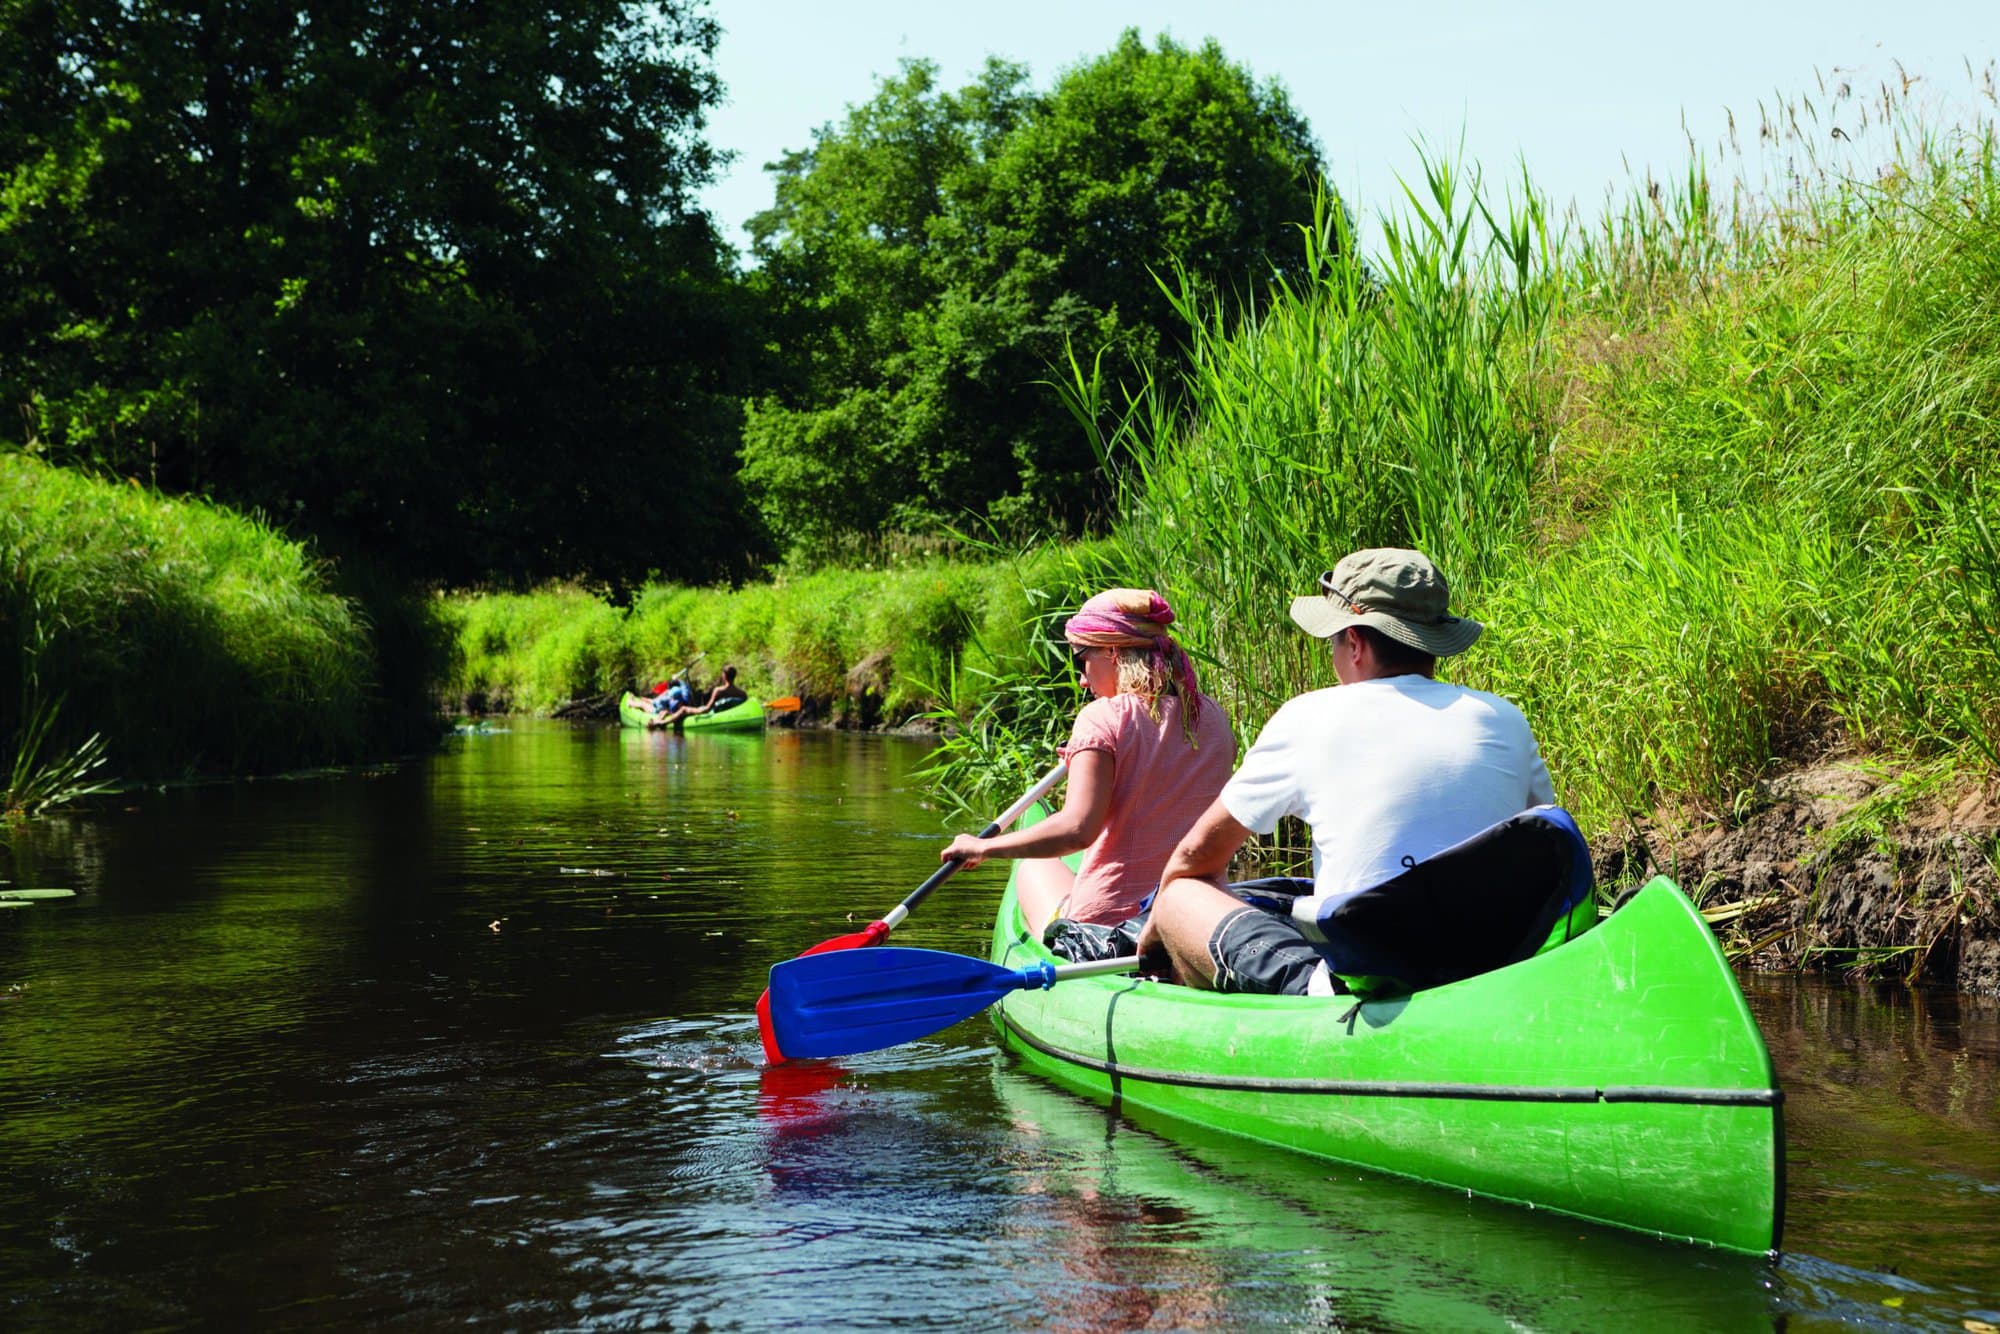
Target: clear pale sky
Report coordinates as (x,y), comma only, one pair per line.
(1580,90)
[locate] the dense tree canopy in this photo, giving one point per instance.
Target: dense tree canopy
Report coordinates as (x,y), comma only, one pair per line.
(412,276)
(937,253)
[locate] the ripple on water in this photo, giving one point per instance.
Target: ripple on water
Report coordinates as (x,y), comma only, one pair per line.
(390,1051)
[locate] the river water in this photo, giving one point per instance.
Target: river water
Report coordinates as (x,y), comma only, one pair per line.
(468,1041)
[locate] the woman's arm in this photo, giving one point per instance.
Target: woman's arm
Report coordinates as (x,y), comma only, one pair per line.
(1086,808)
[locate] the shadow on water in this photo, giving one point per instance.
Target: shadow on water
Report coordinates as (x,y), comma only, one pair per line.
(469,1041)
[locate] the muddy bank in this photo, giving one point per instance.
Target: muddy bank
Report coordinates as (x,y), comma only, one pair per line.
(1843,868)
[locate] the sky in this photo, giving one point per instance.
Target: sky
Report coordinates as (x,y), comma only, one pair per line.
(1585,94)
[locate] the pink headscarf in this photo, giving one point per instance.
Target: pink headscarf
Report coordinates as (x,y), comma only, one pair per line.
(1136,618)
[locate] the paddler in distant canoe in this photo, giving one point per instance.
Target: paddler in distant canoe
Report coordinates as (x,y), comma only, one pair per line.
(668,697)
(726,693)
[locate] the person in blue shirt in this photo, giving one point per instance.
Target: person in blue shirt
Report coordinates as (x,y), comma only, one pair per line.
(674,697)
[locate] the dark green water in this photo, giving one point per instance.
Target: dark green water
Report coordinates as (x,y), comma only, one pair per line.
(469,1042)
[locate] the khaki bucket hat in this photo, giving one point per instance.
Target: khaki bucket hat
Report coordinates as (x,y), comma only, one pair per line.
(1393,590)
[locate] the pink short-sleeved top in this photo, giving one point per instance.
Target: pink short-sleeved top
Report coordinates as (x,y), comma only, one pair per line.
(1160,785)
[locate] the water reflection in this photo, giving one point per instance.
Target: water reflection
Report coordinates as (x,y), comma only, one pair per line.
(1892,1112)
(1210,1231)
(469,1040)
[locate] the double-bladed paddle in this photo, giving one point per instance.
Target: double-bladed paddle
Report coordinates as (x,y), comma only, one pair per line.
(878,931)
(681,675)
(840,1004)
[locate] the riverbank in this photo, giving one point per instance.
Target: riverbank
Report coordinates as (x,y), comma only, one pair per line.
(1846,867)
(189,640)
(909,642)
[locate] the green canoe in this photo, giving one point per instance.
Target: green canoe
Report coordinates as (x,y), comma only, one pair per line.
(747,715)
(1618,1077)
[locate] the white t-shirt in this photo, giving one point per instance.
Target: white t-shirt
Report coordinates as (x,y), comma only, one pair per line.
(1387,769)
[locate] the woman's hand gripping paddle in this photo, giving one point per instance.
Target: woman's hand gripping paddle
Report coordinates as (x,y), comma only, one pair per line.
(878,931)
(840,1004)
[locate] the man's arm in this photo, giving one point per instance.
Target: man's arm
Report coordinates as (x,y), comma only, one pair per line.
(1191,900)
(1204,851)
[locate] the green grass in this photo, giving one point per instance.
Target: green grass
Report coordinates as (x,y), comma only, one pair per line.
(873,645)
(190,638)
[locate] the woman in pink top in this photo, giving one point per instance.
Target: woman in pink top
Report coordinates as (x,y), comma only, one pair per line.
(1146,757)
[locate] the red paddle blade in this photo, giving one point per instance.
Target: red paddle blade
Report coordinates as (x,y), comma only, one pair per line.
(873,934)
(772,1056)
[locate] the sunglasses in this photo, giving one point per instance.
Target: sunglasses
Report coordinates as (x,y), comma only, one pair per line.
(1332,590)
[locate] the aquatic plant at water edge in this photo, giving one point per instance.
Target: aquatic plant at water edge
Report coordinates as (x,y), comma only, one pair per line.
(38,782)
(41,775)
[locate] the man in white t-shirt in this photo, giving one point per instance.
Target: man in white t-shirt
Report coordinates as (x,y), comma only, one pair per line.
(1388,768)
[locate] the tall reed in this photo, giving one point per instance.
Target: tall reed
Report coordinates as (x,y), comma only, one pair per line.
(1371,405)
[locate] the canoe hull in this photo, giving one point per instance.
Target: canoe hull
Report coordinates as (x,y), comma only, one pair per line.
(1618,1078)
(745,717)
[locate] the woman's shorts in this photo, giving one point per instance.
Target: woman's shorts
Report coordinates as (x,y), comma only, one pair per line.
(1086,942)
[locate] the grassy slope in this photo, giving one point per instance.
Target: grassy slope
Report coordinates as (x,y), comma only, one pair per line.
(1766,524)
(194,639)
(1721,493)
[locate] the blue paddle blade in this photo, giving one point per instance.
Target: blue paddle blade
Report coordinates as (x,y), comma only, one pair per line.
(847,1001)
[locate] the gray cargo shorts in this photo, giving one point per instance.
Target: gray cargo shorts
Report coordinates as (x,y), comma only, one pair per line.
(1260,952)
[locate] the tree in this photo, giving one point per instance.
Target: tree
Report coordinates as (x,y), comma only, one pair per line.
(412,277)
(935,255)
(846,257)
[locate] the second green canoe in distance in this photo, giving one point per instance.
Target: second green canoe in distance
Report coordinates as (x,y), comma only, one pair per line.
(747,716)
(1619,1077)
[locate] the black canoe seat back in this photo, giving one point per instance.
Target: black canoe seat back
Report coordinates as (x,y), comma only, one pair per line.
(1501,896)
